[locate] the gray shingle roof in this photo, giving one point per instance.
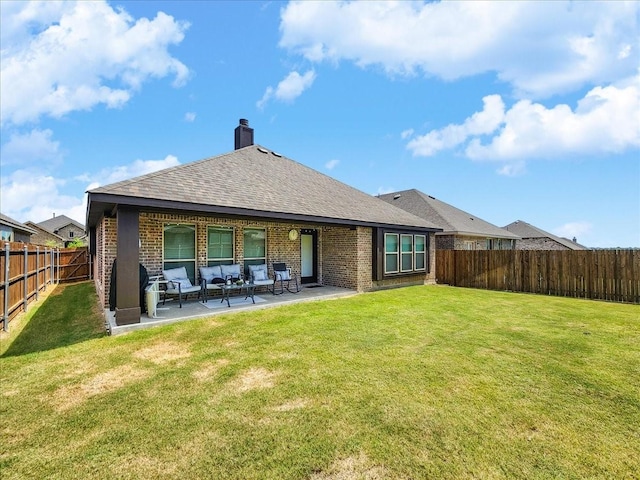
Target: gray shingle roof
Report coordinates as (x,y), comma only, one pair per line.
(10,222)
(451,219)
(59,221)
(526,230)
(254,179)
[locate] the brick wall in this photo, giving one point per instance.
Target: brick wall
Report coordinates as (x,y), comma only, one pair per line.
(539,244)
(344,255)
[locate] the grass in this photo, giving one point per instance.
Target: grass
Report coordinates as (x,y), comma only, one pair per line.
(419,382)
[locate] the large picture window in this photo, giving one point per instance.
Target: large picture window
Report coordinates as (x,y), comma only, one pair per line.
(404,253)
(179,248)
(391,253)
(255,246)
(219,246)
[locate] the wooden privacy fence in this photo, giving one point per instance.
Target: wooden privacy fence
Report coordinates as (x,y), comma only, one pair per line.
(26,270)
(612,275)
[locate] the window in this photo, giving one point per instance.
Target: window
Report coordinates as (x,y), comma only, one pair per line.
(179,248)
(255,246)
(469,245)
(219,246)
(71,234)
(391,253)
(6,235)
(404,253)
(420,252)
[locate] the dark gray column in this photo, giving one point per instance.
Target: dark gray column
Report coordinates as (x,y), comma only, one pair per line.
(127,267)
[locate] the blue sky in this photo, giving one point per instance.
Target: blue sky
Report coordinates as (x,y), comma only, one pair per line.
(508,110)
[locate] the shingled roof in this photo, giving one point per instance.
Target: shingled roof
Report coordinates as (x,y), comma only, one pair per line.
(251,181)
(526,230)
(452,220)
(16,225)
(57,222)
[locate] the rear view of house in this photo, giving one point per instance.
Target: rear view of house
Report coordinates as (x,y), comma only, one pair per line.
(252,206)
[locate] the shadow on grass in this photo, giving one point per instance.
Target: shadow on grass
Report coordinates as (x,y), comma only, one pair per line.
(70,314)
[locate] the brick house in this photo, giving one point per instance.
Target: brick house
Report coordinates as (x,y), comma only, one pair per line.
(250,206)
(460,230)
(534,238)
(64,227)
(45,237)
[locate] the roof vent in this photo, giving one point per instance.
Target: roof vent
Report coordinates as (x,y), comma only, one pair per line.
(276,154)
(263,150)
(431,197)
(395,197)
(243,134)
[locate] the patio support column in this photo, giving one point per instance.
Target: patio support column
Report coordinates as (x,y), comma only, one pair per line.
(127,272)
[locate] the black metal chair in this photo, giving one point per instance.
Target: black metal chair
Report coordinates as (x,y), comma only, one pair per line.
(283,277)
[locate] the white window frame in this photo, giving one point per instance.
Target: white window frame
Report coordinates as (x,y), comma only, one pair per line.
(166,263)
(403,253)
(252,260)
(221,261)
(396,253)
(423,253)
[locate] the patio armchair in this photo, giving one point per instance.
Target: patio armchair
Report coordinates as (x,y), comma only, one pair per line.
(177,283)
(282,275)
(231,272)
(259,276)
(211,279)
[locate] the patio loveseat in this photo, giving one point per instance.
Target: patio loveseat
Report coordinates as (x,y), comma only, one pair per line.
(212,278)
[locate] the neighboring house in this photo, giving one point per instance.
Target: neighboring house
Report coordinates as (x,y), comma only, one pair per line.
(251,206)
(13,231)
(460,230)
(63,226)
(45,237)
(534,238)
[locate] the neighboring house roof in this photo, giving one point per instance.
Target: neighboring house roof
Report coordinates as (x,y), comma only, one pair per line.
(57,222)
(452,220)
(526,230)
(16,225)
(39,229)
(255,182)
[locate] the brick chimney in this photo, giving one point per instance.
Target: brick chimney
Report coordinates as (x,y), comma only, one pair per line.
(243,134)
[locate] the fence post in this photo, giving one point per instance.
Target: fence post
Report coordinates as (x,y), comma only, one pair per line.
(5,316)
(26,278)
(58,267)
(37,272)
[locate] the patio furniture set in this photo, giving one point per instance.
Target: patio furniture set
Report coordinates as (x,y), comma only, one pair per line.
(228,279)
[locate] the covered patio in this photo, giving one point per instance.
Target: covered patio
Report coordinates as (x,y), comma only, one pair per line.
(193,308)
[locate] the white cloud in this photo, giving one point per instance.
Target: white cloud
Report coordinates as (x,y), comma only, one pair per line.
(586,43)
(290,88)
(135,169)
(80,54)
(27,194)
(408,133)
(189,117)
(573,230)
(605,121)
(331,164)
(36,146)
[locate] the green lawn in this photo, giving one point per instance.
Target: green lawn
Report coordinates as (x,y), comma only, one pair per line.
(412,383)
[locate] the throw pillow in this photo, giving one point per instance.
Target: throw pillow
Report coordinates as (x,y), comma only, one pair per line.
(259,275)
(184,282)
(283,275)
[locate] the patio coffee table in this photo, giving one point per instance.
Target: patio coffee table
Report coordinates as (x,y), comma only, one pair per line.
(249,289)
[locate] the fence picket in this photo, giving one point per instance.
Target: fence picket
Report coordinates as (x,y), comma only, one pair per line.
(612,275)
